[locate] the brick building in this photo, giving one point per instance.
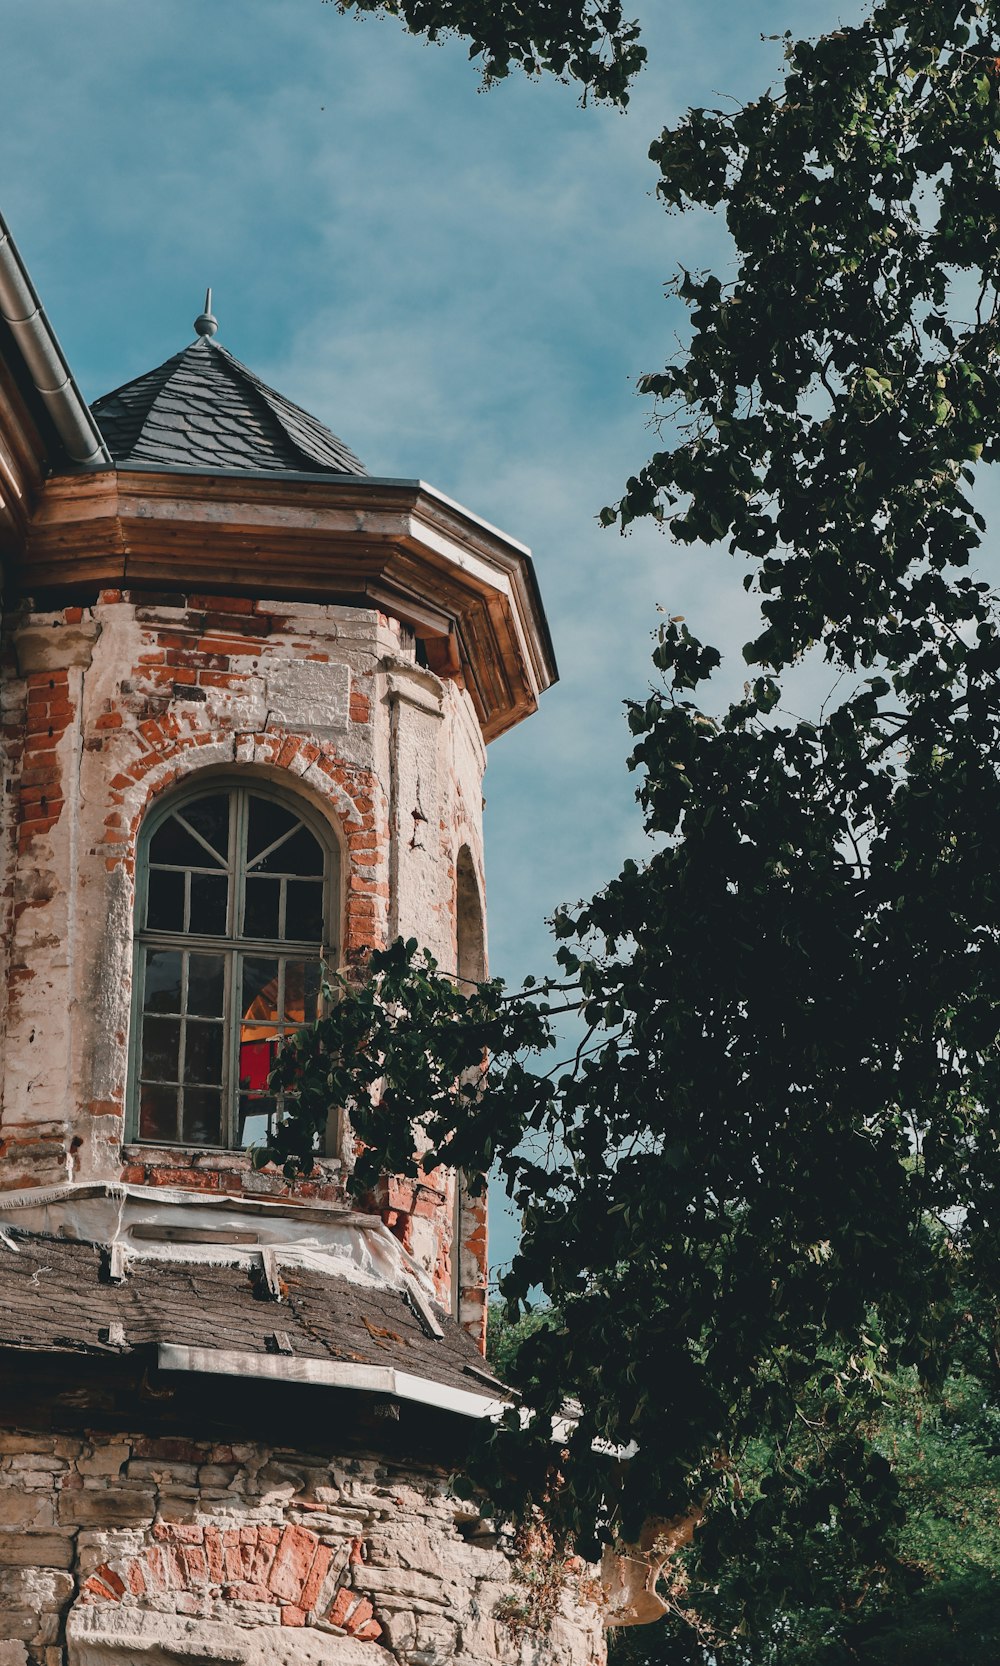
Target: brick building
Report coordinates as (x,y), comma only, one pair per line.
(246,692)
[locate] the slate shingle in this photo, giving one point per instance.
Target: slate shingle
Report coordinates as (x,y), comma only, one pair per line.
(204,409)
(53,1300)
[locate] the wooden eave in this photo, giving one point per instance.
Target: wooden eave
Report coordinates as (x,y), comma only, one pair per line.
(466,589)
(22,462)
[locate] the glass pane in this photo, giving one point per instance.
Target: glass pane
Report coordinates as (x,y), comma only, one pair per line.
(258,1049)
(304,911)
(189,1001)
(165,904)
(160,1048)
(256,1120)
(206,984)
(202,1116)
(258,1114)
(261,915)
(259,999)
(302,987)
(266,822)
(174,845)
(301,854)
(210,818)
(158,1113)
(163,980)
(203,1052)
(209,898)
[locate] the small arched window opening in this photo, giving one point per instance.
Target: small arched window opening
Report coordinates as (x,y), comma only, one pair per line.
(470,938)
(234,920)
(468,1274)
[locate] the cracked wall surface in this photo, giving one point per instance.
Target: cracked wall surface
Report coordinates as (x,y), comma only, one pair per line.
(104,708)
(115,1547)
(117,1544)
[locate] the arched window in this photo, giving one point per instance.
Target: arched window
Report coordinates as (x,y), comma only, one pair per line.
(467,1275)
(470,939)
(234,919)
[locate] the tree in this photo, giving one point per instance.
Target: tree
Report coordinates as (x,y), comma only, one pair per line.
(506,1336)
(774,1157)
(926,1596)
(590,42)
(931,1597)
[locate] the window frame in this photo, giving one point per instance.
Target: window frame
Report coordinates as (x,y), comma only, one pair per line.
(234,946)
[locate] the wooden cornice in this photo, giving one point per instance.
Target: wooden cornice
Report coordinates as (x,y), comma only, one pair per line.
(467,590)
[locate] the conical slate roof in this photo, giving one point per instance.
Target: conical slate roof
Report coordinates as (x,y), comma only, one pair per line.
(203,409)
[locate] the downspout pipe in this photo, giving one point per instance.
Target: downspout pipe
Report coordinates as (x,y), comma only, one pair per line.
(24,315)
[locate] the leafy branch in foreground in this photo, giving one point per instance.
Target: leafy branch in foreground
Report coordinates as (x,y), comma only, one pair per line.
(591,42)
(779,1141)
(404,1049)
(906,1574)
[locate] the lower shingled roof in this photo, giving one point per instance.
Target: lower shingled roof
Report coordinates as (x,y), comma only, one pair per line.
(55,1297)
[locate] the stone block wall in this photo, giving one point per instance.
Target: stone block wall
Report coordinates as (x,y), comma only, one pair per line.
(115,1546)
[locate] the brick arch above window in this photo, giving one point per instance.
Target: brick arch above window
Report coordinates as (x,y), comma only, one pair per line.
(237,893)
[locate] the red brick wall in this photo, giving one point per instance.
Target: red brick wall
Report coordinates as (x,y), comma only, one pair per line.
(104,709)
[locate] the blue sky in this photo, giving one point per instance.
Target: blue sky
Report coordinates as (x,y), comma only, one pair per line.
(463,285)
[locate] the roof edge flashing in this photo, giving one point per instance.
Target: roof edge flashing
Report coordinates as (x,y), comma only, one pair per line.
(44,360)
(320,1373)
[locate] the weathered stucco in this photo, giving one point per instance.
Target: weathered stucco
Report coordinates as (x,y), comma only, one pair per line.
(117,1546)
(162,1496)
(117,1543)
(105,708)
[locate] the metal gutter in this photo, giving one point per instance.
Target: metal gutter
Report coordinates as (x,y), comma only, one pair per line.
(321,1373)
(24,315)
(364,1379)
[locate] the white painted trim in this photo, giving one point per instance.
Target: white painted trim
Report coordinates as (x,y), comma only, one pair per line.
(321,1373)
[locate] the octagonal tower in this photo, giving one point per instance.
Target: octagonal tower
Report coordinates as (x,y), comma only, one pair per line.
(246,694)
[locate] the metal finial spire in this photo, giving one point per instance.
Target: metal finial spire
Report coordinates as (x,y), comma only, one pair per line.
(206,323)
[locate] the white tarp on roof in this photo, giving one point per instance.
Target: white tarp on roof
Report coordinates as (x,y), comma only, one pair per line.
(165,1223)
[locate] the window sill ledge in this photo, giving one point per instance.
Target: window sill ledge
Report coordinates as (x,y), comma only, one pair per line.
(214,1170)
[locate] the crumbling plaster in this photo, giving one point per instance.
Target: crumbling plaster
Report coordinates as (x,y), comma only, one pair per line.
(122,1547)
(104,708)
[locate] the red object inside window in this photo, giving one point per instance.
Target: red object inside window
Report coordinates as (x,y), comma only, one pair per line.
(256,1064)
